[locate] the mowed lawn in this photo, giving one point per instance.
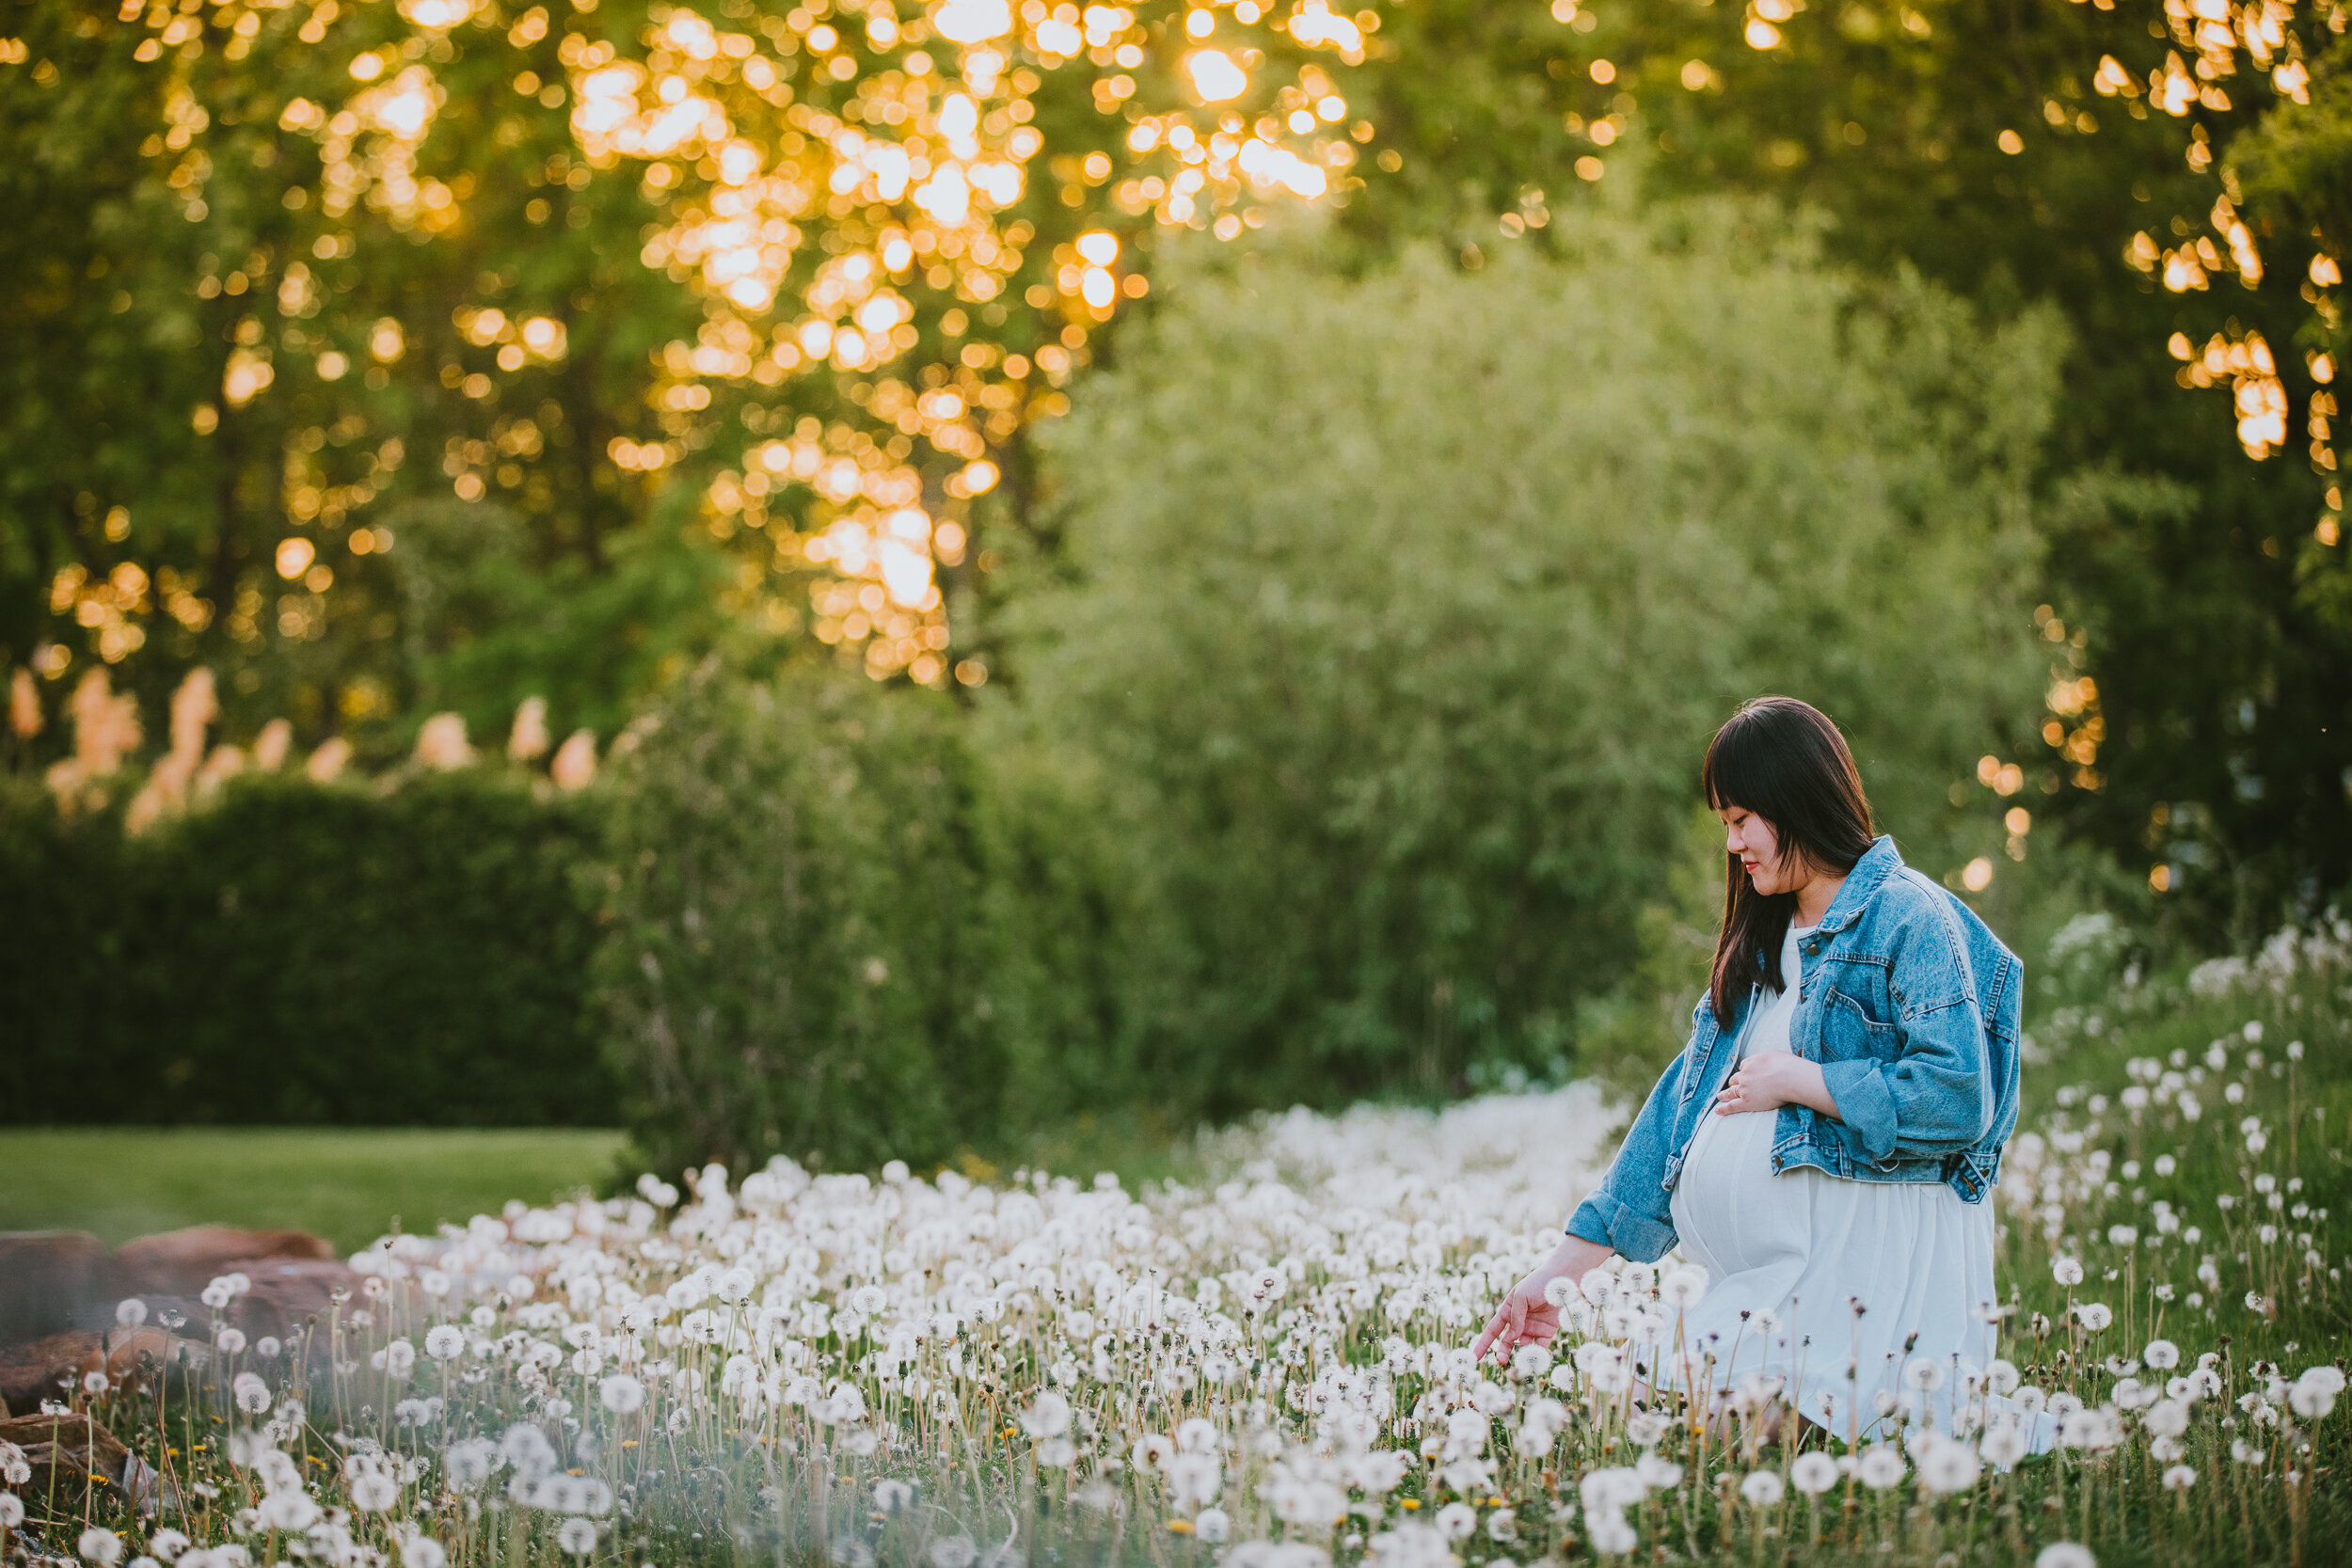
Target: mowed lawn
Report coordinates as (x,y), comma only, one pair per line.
(348,1184)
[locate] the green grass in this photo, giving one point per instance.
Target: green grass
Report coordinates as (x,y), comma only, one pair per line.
(348,1184)
(352,1184)
(2260,1213)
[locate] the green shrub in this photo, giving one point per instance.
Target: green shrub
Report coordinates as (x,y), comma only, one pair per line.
(295,952)
(827,939)
(1399,612)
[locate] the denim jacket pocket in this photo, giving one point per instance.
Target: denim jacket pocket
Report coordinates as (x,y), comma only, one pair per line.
(1849,1033)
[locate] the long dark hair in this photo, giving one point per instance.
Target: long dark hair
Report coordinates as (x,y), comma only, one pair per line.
(1784,761)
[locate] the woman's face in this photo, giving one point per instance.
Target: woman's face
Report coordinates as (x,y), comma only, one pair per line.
(1753,840)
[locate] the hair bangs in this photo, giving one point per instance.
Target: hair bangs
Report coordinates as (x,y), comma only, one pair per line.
(1785,762)
(1738,770)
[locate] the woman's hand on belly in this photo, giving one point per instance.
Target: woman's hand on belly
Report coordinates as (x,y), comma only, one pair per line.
(1775,1079)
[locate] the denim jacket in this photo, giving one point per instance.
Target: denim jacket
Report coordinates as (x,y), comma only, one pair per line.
(1911,1005)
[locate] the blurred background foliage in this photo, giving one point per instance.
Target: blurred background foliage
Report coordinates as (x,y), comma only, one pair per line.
(1204,541)
(1410,602)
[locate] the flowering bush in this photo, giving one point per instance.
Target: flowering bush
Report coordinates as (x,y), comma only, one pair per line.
(1268,1368)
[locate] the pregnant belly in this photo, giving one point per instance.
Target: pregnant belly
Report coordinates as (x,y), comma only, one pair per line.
(1731,1211)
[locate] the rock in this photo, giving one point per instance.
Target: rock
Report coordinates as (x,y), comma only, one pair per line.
(60,1293)
(287,1292)
(47,1277)
(169,1312)
(39,1370)
(67,1454)
(292,1277)
(183,1263)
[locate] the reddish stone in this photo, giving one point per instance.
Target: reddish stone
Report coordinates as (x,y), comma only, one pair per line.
(287,1292)
(39,1368)
(47,1277)
(68,1454)
(183,1263)
(58,1294)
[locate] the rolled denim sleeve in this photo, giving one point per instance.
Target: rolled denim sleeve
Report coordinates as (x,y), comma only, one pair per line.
(1935,1095)
(1628,1211)
(1643,1238)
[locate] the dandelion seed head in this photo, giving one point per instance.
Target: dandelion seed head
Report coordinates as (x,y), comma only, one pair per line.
(1048,1415)
(1947,1466)
(2002,1444)
(1682,1287)
(1612,1534)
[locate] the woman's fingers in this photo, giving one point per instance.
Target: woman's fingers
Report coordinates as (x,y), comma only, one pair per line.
(1505,1329)
(1496,1327)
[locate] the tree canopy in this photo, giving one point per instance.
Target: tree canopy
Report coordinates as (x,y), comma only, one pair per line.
(391,358)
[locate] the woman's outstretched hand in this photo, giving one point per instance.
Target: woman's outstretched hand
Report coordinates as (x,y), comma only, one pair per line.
(1526,1315)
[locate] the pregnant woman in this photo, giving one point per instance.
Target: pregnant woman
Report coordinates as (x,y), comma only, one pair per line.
(1824,1145)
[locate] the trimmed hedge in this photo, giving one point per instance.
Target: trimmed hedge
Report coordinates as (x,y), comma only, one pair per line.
(303,954)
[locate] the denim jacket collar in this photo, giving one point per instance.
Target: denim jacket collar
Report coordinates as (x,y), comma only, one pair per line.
(1877,863)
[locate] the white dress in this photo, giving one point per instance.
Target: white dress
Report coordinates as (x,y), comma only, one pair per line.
(1842,1289)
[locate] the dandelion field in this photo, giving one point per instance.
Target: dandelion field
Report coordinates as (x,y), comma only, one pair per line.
(1268,1366)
